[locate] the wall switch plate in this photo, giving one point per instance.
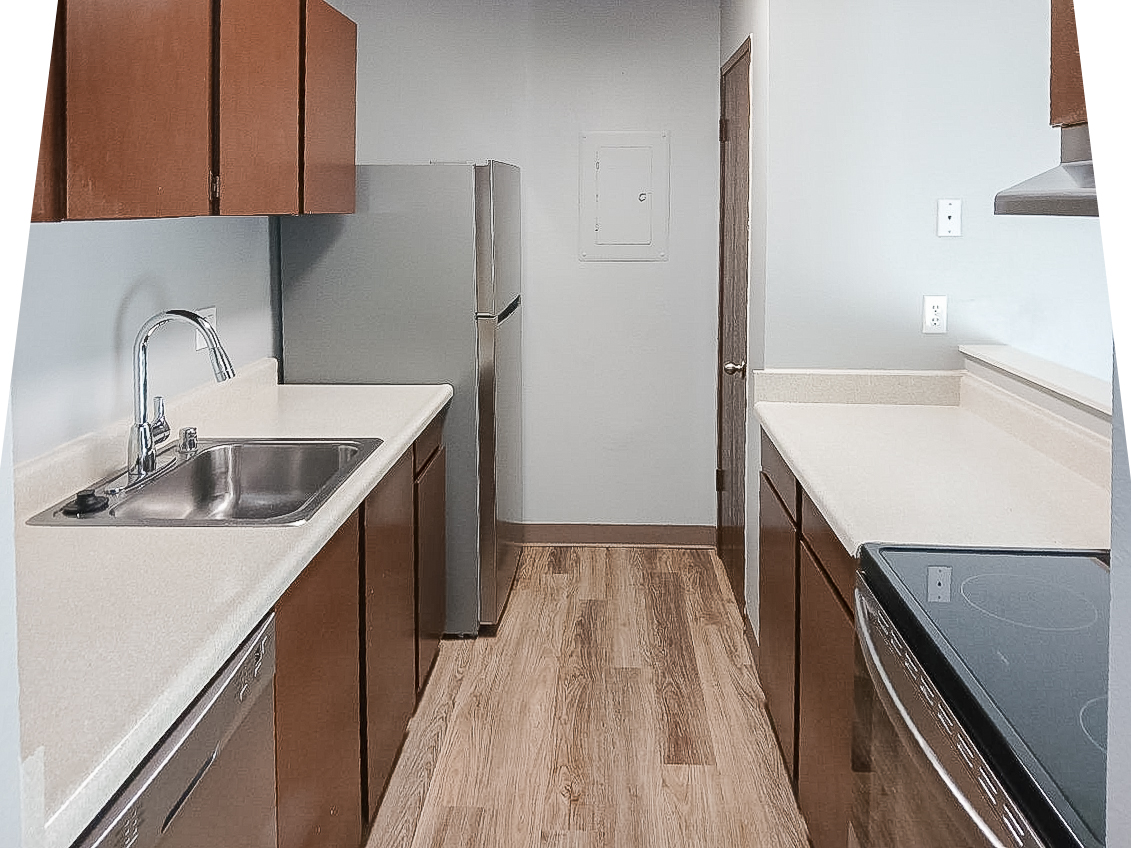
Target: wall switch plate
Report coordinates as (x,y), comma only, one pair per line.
(950,218)
(208,313)
(934,313)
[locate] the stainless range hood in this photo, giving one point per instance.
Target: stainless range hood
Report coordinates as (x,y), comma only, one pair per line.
(1067,189)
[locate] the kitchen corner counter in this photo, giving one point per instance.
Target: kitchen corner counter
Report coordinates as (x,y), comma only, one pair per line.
(943,458)
(119,628)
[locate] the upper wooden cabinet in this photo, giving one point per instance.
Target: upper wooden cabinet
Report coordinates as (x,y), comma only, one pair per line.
(196,107)
(47,204)
(138,106)
(1066,80)
(330,86)
(258,140)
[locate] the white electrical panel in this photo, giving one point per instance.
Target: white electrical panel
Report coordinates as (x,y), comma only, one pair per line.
(624,196)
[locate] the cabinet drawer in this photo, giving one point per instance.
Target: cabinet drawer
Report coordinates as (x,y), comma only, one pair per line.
(834,559)
(780,477)
(427,443)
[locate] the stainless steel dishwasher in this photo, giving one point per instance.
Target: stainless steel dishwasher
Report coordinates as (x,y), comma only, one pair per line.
(210,783)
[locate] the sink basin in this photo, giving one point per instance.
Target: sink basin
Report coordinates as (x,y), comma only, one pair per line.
(230,482)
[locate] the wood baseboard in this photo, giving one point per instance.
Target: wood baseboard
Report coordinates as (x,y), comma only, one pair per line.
(620,535)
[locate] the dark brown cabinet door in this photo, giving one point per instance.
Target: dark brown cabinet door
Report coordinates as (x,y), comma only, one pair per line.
(825,699)
(390,626)
(329,110)
(258,137)
(138,107)
(777,629)
(1066,80)
(47,204)
(317,717)
(431,564)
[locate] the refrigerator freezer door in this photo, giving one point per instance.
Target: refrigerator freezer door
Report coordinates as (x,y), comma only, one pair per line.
(498,250)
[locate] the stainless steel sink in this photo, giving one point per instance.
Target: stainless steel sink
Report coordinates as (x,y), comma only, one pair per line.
(229,482)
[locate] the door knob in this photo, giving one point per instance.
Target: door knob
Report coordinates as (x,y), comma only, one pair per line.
(739,369)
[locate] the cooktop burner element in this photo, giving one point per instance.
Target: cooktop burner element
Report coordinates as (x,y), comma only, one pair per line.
(1019,651)
(1026,602)
(1093,721)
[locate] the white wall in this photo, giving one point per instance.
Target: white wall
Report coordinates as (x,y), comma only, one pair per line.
(89,286)
(859,125)
(619,357)
(875,111)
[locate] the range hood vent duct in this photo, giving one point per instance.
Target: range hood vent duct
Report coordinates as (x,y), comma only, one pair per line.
(1067,189)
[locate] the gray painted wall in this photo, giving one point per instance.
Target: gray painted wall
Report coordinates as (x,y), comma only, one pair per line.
(89,286)
(618,357)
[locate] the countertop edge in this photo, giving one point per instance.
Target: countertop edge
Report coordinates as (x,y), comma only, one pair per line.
(59,827)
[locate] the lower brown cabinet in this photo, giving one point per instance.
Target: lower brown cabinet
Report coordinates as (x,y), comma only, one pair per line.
(777,580)
(431,563)
(825,700)
(389,593)
(317,696)
(807,648)
(348,674)
(403,600)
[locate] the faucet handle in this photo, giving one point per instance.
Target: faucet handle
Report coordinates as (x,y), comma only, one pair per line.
(159,427)
(188,443)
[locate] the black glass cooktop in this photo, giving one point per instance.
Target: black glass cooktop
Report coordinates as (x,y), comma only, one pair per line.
(1017,643)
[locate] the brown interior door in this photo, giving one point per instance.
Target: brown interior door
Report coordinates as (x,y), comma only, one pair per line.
(734,241)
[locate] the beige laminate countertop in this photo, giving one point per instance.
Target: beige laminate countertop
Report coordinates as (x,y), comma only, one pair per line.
(950,460)
(121,627)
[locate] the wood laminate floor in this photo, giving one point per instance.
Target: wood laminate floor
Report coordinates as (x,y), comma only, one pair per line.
(616,706)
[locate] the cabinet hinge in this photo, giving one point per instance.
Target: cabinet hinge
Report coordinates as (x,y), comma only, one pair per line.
(722,130)
(720,480)
(215,186)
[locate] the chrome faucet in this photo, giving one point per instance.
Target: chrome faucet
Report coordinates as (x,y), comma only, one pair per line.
(146,434)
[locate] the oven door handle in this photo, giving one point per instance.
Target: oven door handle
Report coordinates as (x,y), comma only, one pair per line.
(924,721)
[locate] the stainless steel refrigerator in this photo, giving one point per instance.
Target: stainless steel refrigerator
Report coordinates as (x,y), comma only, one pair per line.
(422,284)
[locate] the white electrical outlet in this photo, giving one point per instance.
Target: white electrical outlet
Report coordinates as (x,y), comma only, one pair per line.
(950,218)
(208,313)
(934,313)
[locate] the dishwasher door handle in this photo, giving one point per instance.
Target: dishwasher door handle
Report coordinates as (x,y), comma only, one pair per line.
(199,776)
(229,725)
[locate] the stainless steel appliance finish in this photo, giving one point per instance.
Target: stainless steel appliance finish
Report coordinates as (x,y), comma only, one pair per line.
(221,483)
(925,783)
(1069,188)
(211,782)
(146,434)
(423,285)
(981,697)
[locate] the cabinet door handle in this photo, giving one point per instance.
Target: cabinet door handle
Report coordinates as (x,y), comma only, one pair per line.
(732,368)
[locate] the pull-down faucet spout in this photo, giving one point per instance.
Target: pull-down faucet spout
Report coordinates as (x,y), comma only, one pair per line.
(145,434)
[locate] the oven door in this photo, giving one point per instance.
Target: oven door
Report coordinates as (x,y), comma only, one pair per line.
(918,779)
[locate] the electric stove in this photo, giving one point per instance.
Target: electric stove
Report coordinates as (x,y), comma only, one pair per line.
(1016,643)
